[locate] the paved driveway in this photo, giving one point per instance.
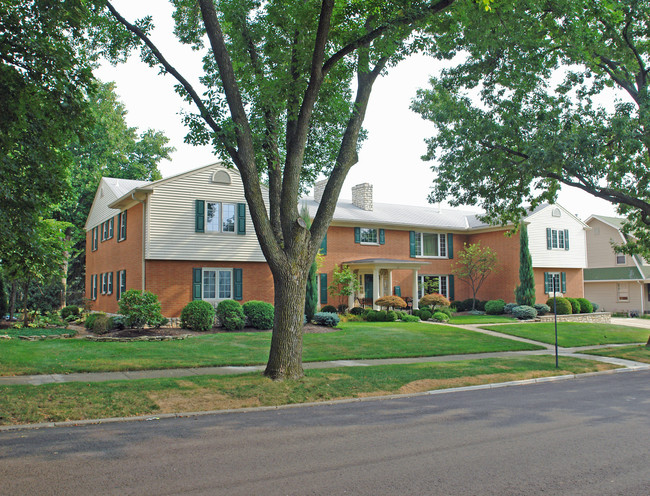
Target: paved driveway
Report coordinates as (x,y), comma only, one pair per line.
(644,323)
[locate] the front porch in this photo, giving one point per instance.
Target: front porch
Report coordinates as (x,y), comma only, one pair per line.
(375,277)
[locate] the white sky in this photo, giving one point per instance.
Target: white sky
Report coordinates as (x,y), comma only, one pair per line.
(389,158)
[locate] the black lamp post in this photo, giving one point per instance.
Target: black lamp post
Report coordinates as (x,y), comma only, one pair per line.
(556,288)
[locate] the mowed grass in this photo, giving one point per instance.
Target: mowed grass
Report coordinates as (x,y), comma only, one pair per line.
(355,340)
(634,353)
(481,319)
(572,334)
(77,401)
(14,333)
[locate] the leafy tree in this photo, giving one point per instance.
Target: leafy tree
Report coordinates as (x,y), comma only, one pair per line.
(530,133)
(288,85)
(525,292)
(344,283)
(311,295)
(4,305)
(474,265)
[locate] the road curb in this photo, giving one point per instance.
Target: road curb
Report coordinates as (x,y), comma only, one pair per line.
(149,418)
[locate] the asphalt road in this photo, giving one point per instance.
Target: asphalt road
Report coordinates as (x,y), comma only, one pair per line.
(589,436)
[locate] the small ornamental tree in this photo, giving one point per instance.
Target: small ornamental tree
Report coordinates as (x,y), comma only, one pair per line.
(474,265)
(390,302)
(525,292)
(435,300)
(344,283)
(140,308)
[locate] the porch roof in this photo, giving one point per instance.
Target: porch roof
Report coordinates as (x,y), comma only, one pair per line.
(384,263)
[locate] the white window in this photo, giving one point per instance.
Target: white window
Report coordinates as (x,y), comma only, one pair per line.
(220,217)
(622,292)
(620,259)
(104,281)
(559,238)
(369,235)
(433,284)
(217,284)
(430,245)
(93,282)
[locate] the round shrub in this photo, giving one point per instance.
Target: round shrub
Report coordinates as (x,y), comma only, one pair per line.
(459,306)
(259,313)
(140,308)
(476,312)
(524,312)
(585,305)
(357,311)
(69,311)
(508,307)
(390,301)
(326,319)
(425,315)
(563,306)
(391,316)
(328,309)
(440,317)
(197,315)
(102,324)
(446,310)
(595,306)
(410,318)
(435,300)
(231,315)
(90,320)
(495,307)
(575,305)
(541,308)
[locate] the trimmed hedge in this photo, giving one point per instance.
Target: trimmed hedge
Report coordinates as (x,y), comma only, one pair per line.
(575,305)
(326,319)
(260,314)
(328,309)
(231,315)
(198,315)
(425,315)
(495,307)
(524,312)
(541,308)
(585,305)
(140,308)
(357,311)
(508,307)
(440,317)
(563,306)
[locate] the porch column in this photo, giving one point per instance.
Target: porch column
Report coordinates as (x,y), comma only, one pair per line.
(390,282)
(416,297)
(375,287)
(642,286)
(351,297)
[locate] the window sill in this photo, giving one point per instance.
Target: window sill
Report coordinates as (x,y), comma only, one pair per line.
(433,257)
(366,243)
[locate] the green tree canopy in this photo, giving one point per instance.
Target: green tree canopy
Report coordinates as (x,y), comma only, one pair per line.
(475,263)
(526,111)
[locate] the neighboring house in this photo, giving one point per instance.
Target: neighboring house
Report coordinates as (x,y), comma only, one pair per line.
(190,236)
(616,281)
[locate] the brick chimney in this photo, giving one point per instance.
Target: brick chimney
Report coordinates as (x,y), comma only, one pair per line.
(319,187)
(362,196)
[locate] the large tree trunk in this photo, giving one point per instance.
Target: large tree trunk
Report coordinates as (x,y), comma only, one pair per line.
(25,296)
(12,300)
(285,357)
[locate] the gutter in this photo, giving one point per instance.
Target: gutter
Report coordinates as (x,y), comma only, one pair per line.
(144,232)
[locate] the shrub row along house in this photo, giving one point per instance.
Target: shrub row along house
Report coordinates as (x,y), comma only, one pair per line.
(191,237)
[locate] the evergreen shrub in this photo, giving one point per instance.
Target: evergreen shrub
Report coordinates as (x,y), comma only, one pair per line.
(585,305)
(326,319)
(563,306)
(440,317)
(595,306)
(70,311)
(575,305)
(391,316)
(410,318)
(260,314)
(231,315)
(508,307)
(541,308)
(198,315)
(425,315)
(357,311)
(90,320)
(140,308)
(102,324)
(495,307)
(524,312)
(328,309)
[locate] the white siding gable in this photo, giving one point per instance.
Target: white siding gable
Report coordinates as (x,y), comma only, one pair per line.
(109,190)
(171,219)
(574,257)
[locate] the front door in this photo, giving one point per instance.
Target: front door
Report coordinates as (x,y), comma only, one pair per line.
(367,284)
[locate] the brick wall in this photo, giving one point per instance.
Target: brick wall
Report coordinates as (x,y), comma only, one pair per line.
(574,283)
(113,256)
(171,280)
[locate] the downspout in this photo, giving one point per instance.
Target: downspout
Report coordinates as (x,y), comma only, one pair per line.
(641,285)
(144,231)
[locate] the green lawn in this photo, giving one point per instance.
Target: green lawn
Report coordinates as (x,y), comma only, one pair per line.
(634,353)
(481,319)
(571,334)
(76,401)
(355,340)
(14,333)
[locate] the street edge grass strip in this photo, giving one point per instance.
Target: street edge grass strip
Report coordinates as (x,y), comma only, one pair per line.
(635,353)
(146,397)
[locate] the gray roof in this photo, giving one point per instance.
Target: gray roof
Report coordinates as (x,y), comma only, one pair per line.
(123,186)
(402,215)
(617,222)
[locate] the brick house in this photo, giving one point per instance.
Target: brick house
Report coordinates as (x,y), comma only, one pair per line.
(190,236)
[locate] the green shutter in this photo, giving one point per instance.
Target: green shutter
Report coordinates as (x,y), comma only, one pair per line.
(238,277)
(451,287)
(357,235)
(323,288)
(547,283)
(563,279)
(566,239)
(323,246)
(382,237)
(397,291)
(197,275)
(412,243)
(450,245)
(549,243)
(119,227)
(199,222)
(241,218)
